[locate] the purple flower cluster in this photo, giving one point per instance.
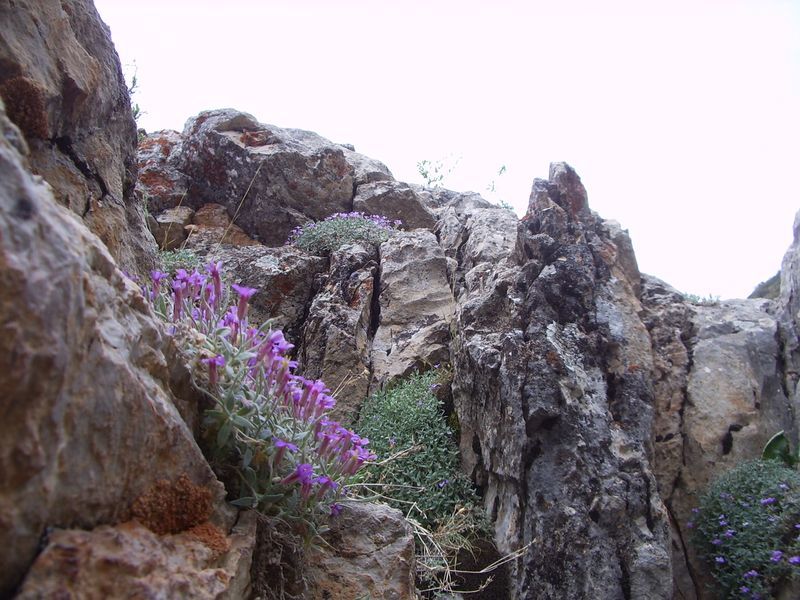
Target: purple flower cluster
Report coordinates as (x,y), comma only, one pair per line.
(355,218)
(303,450)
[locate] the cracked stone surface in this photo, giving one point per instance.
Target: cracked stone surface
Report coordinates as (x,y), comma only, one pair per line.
(371,555)
(63,86)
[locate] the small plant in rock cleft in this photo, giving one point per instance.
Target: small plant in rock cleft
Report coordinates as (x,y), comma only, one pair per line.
(419,474)
(268,432)
(747,529)
(326,236)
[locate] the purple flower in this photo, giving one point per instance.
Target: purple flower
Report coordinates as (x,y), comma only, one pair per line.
(442,483)
(695,510)
(720,560)
(303,473)
(783,486)
(282,446)
(213,269)
(335,509)
(750,574)
(767,501)
(213,363)
(744,589)
(279,443)
(689,524)
(776,556)
(729,533)
(716,541)
(245,293)
(794,560)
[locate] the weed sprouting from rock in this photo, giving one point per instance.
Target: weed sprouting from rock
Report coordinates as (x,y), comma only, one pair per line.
(268,433)
(339,229)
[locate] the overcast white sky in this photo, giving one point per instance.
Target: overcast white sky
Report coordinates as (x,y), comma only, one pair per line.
(682,117)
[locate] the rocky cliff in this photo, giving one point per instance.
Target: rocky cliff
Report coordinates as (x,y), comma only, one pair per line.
(593,402)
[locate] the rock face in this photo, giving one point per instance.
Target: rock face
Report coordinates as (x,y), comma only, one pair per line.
(200,563)
(89,418)
(554,397)
(720,397)
(62,85)
(338,330)
(415,304)
(594,404)
(371,555)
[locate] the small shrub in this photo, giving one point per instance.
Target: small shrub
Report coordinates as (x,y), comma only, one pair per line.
(337,230)
(185,259)
(747,528)
(419,473)
(268,433)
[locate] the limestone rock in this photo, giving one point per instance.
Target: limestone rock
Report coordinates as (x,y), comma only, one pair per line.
(89,422)
(395,201)
(371,555)
(553,393)
(284,278)
(270,179)
(416,307)
(160,185)
(170,227)
(211,227)
(338,329)
(63,86)
(129,560)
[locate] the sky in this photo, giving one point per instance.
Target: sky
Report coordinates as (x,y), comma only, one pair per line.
(682,117)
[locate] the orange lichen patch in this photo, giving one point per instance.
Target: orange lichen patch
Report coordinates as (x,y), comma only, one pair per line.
(25,106)
(212,536)
(156,182)
(164,145)
(172,507)
(255,138)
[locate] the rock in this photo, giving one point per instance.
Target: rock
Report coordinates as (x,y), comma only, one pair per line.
(89,421)
(211,227)
(719,398)
(416,307)
(270,179)
(62,84)
(337,333)
(668,318)
(789,318)
(371,555)
(130,560)
(160,184)
(555,403)
(395,201)
(170,227)
(770,289)
(284,278)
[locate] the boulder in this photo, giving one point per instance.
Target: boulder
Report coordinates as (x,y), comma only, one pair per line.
(89,421)
(62,84)
(270,179)
(160,185)
(395,201)
(211,227)
(169,228)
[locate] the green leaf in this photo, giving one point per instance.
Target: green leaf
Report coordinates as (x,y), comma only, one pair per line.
(778,448)
(246,502)
(224,434)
